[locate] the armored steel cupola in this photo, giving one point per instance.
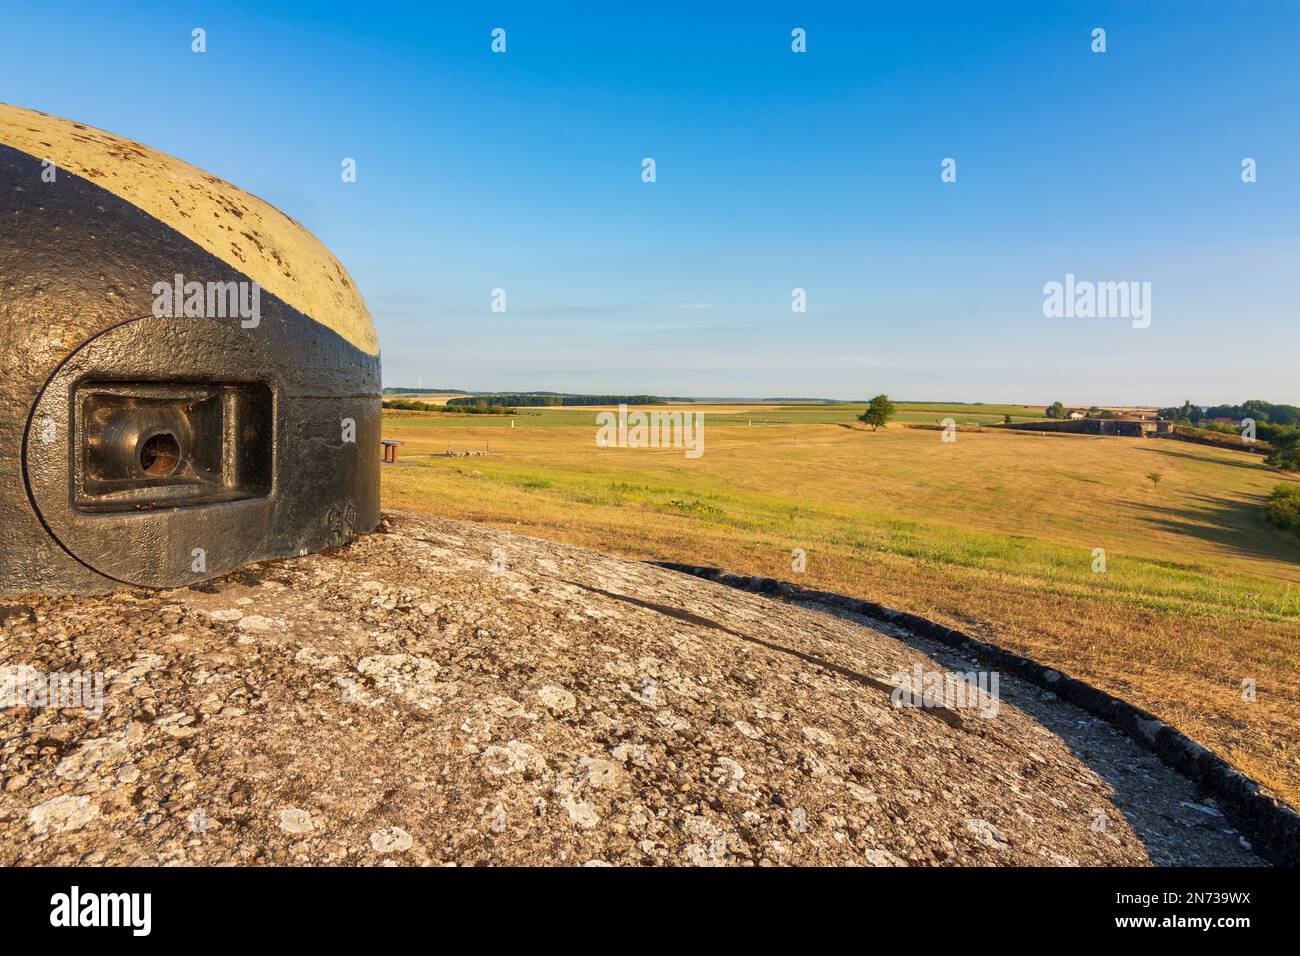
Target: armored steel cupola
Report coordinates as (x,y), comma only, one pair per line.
(190,379)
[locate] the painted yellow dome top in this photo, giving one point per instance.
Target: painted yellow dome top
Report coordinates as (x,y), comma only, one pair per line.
(243,231)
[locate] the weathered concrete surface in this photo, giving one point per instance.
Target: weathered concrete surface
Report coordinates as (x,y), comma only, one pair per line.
(443,692)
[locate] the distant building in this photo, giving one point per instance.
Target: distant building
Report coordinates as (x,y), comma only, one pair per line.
(1129,426)
(1076,415)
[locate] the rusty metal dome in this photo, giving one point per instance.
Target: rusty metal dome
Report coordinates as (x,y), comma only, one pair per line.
(191,379)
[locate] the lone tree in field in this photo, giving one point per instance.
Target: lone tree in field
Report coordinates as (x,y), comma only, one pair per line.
(1154,477)
(1055,410)
(879,411)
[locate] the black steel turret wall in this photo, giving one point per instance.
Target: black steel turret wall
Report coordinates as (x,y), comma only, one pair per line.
(76,261)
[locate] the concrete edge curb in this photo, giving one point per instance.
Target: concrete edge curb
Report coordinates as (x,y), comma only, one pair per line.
(1272,826)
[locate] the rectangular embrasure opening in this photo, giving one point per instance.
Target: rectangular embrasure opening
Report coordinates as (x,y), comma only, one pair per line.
(146,445)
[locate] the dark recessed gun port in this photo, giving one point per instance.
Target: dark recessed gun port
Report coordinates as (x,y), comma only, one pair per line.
(143,445)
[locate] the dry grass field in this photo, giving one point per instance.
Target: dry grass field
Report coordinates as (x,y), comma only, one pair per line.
(994,533)
(425,398)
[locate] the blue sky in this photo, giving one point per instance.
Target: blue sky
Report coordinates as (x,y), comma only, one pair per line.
(775,170)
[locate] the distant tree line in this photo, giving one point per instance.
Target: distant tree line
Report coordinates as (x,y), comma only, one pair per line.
(425,391)
(531,400)
(481,408)
(1259,410)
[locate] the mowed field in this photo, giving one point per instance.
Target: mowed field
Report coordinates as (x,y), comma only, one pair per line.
(994,533)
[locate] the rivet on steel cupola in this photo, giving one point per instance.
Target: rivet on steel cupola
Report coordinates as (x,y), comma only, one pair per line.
(191,380)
